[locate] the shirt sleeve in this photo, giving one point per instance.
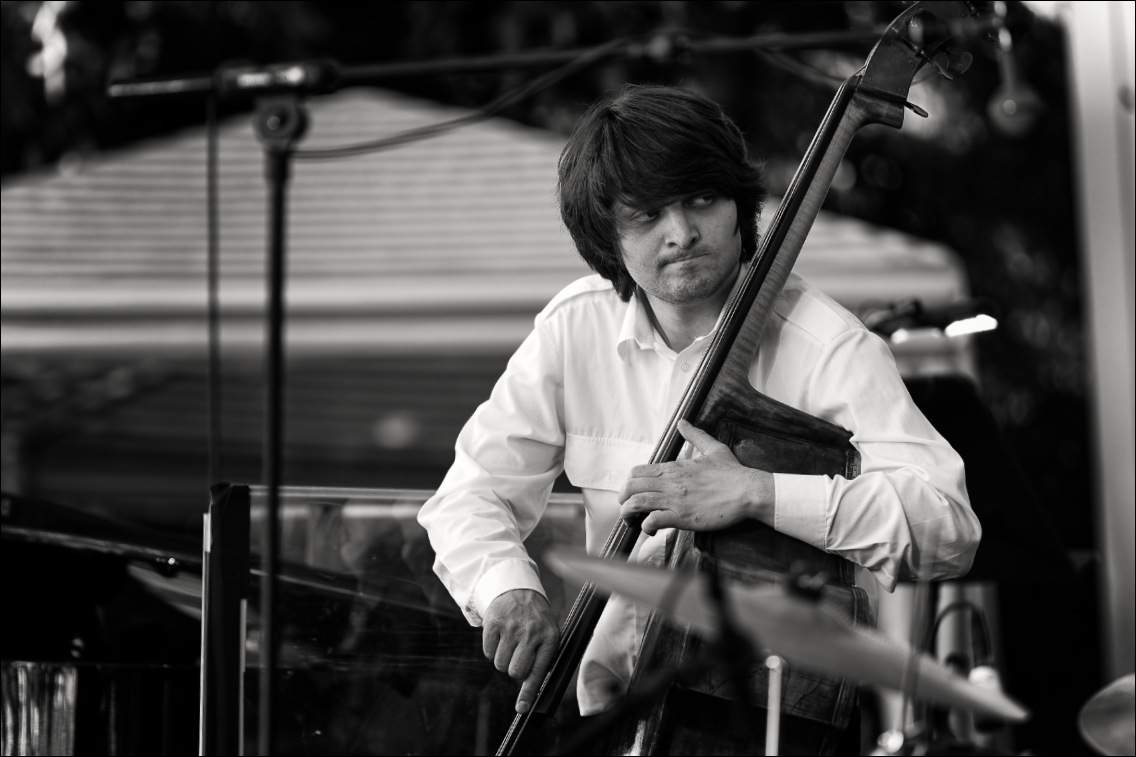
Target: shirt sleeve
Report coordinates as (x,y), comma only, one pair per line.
(907,515)
(506,459)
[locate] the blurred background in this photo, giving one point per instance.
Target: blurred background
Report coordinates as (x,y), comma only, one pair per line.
(414,272)
(1003,203)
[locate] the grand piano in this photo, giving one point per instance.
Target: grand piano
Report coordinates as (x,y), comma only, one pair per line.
(375,656)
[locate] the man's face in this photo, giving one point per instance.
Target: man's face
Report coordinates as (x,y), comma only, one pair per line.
(684,252)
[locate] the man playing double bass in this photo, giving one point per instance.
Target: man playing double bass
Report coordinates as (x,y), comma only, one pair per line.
(662,202)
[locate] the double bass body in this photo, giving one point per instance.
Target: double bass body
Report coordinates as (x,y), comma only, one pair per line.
(691,717)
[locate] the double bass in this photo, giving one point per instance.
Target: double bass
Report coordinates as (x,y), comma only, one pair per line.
(766,434)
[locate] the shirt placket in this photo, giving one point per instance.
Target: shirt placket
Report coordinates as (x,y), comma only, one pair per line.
(683,367)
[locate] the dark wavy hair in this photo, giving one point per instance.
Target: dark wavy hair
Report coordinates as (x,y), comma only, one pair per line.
(646,147)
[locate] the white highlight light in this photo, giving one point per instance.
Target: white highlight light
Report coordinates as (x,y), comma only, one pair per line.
(899,336)
(971,325)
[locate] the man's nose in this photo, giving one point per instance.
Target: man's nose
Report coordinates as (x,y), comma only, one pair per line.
(680,231)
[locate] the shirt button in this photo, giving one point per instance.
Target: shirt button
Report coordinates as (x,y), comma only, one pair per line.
(685,366)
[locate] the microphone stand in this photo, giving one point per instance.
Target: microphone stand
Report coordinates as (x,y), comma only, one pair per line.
(280,123)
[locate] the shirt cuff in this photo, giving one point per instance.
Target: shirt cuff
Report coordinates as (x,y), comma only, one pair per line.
(502,577)
(800,509)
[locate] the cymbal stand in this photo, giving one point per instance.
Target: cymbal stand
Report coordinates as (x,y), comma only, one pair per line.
(729,648)
(906,739)
(931,731)
(773,711)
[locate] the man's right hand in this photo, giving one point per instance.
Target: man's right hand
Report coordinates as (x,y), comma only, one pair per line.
(520,638)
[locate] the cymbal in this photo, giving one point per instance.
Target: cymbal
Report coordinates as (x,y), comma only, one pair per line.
(804,632)
(155,564)
(1108,719)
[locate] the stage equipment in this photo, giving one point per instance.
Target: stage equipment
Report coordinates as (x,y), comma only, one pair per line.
(224,616)
(80,669)
(93,662)
(763,434)
(376,657)
(279,122)
(931,730)
(810,633)
(1108,719)
(322,76)
(910,319)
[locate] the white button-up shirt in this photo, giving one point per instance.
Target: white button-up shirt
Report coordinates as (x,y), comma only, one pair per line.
(590,391)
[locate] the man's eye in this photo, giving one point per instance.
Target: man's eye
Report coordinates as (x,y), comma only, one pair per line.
(703,199)
(647,215)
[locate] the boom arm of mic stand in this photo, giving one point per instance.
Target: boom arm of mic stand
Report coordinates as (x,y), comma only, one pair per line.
(325,75)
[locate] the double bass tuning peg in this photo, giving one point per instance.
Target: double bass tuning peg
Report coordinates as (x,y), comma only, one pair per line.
(956,65)
(946,64)
(916,109)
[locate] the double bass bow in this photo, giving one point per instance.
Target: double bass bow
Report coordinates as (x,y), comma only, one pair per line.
(761,432)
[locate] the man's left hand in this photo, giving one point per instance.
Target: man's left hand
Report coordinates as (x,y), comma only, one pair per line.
(705,493)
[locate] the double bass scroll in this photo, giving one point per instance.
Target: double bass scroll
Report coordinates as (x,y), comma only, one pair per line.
(762,432)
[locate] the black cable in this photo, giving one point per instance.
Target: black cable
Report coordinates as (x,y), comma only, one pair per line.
(797,68)
(979,621)
(815,74)
(213,381)
(213,273)
(498,105)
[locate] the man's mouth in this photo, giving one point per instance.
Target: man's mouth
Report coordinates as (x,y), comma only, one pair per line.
(682,259)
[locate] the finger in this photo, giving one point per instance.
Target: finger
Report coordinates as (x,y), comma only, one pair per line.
(532,683)
(633,486)
(658,519)
(646,471)
(641,503)
(523,656)
(505,648)
(490,637)
(701,440)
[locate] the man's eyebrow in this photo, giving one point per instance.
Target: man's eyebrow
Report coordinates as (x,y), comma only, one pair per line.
(624,208)
(627,206)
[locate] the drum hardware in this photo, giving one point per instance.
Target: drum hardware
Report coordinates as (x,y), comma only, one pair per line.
(731,650)
(802,630)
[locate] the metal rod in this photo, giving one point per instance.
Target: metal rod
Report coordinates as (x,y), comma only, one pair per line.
(276,172)
(773,706)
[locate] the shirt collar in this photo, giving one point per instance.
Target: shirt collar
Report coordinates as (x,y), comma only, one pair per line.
(637,330)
